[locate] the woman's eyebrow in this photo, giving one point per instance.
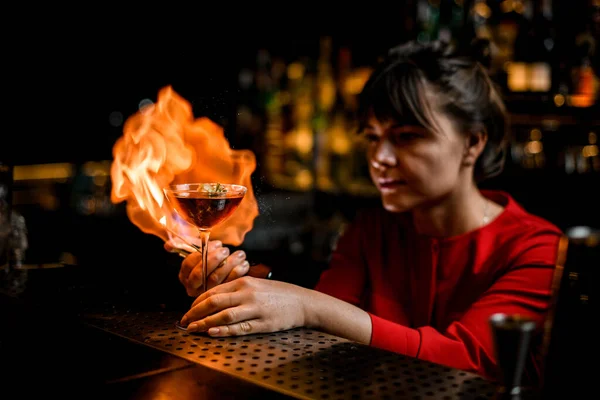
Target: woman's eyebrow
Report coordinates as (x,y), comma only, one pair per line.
(398,128)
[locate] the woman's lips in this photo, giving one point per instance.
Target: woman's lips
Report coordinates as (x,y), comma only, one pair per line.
(390,184)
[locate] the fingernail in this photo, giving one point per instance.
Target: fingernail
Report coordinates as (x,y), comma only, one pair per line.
(241,254)
(225,251)
(245,265)
(218,243)
(213,331)
(193,327)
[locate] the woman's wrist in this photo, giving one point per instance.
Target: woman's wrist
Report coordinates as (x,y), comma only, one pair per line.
(310,306)
(332,315)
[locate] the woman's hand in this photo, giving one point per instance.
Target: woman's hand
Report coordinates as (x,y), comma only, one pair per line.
(248,305)
(222,267)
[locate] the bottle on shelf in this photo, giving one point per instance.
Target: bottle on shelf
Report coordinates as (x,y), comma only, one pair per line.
(531,70)
(6,237)
(428,20)
(325,99)
(583,75)
(507,22)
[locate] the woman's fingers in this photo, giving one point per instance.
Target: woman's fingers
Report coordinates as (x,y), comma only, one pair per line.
(215,303)
(229,316)
(187,266)
(228,287)
(232,267)
(216,256)
(240,328)
(193,292)
(195,258)
(238,271)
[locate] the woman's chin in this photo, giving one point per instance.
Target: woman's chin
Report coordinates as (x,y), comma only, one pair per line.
(394,206)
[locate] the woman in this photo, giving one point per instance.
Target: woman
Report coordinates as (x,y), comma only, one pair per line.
(422,275)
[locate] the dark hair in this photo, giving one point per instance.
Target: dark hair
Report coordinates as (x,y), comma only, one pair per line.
(460,85)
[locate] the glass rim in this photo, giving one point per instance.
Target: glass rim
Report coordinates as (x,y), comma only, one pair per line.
(193,187)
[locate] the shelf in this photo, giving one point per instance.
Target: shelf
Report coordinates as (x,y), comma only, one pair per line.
(552,120)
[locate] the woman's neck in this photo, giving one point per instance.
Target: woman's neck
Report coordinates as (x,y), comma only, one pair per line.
(460,212)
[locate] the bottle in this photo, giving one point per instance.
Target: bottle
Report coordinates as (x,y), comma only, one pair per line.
(325,98)
(541,50)
(456,21)
(534,56)
(505,33)
(340,131)
(513,30)
(428,20)
(583,75)
(568,332)
(6,193)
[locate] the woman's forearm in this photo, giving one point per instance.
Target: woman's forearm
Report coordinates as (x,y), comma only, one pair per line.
(337,317)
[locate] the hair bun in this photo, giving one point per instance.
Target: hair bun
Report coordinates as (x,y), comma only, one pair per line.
(435,48)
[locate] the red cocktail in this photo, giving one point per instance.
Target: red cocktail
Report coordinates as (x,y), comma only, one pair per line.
(205,205)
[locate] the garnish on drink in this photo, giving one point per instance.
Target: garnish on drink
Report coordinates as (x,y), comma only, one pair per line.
(213,189)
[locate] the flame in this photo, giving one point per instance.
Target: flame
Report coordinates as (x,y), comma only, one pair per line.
(162,144)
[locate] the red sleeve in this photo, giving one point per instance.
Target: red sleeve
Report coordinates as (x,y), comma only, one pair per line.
(467,343)
(346,274)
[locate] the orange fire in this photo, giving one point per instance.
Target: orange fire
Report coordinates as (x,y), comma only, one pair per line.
(162,144)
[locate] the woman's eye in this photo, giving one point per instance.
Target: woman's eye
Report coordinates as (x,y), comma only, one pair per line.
(371,137)
(404,136)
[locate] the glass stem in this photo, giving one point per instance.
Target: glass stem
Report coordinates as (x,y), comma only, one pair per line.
(204,235)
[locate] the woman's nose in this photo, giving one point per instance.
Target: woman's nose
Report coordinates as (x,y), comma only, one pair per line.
(384,155)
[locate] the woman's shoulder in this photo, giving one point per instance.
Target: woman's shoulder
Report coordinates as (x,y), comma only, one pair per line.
(516,218)
(522,236)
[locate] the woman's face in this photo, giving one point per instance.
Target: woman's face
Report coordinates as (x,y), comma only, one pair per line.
(412,166)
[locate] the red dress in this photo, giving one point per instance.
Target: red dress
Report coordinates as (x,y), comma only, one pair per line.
(431,298)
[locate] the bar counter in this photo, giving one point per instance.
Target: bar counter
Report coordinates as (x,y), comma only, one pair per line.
(60,337)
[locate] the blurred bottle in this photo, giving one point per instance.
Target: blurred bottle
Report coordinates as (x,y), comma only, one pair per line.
(428,20)
(581,154)
(481,15)
(456,20)
(591,153)
(6,185)
(542,39)
(509,19)
(534,49)
(326,95)
(534,156)
(569,335)
(341,128)
(584,79)
(299,130)
(13,230)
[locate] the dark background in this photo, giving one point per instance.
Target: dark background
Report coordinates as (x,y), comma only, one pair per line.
(67,69)
(68,73)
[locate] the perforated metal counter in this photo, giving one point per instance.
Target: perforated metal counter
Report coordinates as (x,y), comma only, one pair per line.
(300,363)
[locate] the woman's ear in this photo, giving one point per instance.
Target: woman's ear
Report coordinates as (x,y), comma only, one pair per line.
(475,144)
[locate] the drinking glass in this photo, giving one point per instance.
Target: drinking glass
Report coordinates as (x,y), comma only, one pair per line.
(204,205)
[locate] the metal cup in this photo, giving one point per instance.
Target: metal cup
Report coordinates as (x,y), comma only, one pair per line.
(512,336)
